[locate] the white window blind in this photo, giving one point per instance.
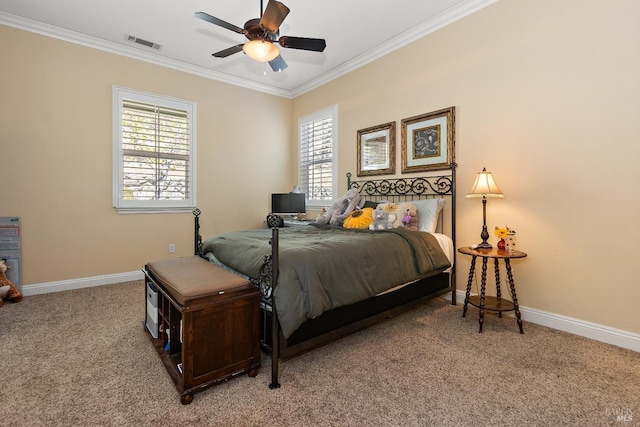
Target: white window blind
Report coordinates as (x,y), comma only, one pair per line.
(318,156)
(154,150)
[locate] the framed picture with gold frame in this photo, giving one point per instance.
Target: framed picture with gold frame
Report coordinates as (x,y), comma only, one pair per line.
(428,141)
(377,150)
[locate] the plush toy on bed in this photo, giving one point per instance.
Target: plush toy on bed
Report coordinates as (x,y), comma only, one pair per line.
(341,208)
(406,214)
(12,293)
(410,217)
(382,220)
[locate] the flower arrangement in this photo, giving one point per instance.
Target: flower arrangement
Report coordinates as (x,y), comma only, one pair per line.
(502,233)
(507,238)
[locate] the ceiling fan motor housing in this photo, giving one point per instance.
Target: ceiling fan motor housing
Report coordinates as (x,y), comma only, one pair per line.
(253,31)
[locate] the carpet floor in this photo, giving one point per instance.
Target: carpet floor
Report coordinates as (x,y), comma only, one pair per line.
(82,357)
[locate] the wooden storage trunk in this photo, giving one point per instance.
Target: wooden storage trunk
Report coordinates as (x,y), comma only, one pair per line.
(208,323)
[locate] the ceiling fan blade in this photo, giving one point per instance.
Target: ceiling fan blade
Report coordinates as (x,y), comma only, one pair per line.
(303,43)
(278,64)
(229,51)
(273,16)
(219,22)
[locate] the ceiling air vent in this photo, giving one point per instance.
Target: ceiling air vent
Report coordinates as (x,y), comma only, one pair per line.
(143,42)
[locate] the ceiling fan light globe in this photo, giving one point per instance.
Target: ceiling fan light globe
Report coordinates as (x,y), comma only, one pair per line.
(261,50)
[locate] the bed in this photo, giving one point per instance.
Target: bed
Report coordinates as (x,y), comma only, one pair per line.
(321,282)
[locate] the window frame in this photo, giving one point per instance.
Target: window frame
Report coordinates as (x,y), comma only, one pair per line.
(150,206)
(329,112)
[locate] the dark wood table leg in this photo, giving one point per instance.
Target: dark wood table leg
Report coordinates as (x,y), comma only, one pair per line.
(498,292)
(469,282)
(483,285)
(512,286)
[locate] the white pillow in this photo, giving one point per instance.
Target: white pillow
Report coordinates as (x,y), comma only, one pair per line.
(429,212)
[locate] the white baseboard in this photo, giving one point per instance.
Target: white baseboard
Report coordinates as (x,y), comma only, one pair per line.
(85,282)
(582,328)
(579,327)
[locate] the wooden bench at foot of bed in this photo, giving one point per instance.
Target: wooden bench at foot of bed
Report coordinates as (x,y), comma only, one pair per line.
(206,328)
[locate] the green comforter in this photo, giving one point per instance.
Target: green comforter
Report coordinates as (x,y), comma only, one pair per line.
(324,267)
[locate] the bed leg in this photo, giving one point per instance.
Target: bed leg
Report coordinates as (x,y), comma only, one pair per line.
(453,289)
(275,344)
(275,338)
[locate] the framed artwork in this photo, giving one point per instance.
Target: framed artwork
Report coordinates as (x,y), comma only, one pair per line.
(377,150)
(428,141)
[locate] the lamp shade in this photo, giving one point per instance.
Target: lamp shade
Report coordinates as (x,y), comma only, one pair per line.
(485,186)
(260,50)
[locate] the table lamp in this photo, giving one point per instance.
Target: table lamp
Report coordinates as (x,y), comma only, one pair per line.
(484,187)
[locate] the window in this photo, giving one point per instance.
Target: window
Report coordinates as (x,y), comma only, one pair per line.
(317,156)
(154,153)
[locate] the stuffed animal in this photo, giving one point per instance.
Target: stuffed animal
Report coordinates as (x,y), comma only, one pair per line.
(4,290)
(341,208)
(13,294)
(410,218)
(382,220)
(400,210)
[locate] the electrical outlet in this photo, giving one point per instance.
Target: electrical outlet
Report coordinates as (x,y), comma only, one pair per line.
(172,248)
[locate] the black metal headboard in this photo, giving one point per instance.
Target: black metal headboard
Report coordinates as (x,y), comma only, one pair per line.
(412,188)
(407,188)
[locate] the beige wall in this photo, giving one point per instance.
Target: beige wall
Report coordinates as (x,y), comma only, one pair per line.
(547,97)
(56,174)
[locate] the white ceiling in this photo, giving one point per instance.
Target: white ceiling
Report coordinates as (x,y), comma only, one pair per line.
(356,32)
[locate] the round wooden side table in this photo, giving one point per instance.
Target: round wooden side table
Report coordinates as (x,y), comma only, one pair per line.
(482,301)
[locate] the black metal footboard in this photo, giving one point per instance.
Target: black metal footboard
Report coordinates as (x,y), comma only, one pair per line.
(266,284)
(275,326)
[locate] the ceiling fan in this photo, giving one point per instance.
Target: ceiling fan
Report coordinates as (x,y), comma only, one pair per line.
(262,33)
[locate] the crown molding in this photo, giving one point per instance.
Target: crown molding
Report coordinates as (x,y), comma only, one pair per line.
(419,31)
(133,53)
(445,18)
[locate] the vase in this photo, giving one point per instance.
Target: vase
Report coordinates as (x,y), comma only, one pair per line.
(510,243)
(502,244)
